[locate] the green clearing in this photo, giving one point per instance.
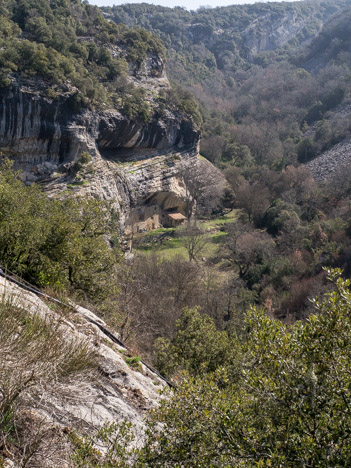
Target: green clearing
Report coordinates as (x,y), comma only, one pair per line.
(220,221)
(171,246)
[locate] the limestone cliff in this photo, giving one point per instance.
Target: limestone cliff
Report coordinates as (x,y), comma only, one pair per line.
(130,158)
(35,129)
(270,32)
(114,391)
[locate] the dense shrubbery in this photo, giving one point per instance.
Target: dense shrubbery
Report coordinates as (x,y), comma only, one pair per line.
(52,40)
(62,244)
(287,404)
(277,396)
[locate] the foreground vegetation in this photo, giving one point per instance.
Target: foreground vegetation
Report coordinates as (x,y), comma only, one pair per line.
(61,244)
(38,362)
(252,390)
(272,395)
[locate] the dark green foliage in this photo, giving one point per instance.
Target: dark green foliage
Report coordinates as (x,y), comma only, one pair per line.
(286,404)
(279,214)
(306,150)
(333,39)
(197,346)
(52,40)
(135,105)
(181,99)
(329,101)
(139,42)
(55,243)
(184,32)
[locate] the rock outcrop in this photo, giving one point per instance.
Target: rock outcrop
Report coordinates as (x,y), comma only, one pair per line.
(115,392)
(331,162)
(130,158)
(35,129)
(271,32)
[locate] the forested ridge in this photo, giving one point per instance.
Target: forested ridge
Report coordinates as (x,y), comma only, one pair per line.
(247,66)
(69,47)
(246,309)
(266,112)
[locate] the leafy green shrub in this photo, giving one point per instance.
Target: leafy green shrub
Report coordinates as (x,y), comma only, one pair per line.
(139,42)
(85,157)
(134,362)
(51,94)
(182,99)
(197,346)
(288,405)
(111,446)
(134,105)
(58,243)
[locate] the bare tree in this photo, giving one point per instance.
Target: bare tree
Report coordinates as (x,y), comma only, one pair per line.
(253,199)
(204,185)
(247,247)
(151,295)
(195,241)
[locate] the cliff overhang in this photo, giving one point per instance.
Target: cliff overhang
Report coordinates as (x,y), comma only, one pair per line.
(130,158)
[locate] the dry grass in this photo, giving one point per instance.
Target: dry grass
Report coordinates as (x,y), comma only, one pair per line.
(37,361)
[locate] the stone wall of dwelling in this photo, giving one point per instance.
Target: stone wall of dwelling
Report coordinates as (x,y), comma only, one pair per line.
(154,214)
(144,218)
(153,222)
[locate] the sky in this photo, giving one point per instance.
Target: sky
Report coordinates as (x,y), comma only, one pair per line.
(189,4)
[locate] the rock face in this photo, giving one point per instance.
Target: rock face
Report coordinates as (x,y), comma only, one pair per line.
(331,162)
(115,393)
(131,159)
(270,33)
(130,184)
(35,129)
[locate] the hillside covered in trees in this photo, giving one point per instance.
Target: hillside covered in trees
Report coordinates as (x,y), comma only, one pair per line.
(280,100)
(65,42)
(223,304)
(254,70)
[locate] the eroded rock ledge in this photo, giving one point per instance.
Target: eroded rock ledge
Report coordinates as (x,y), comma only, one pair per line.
(130,159)
(114,393)
(35,129)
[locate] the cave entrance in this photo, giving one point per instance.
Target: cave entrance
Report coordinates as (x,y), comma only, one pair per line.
(127,154)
